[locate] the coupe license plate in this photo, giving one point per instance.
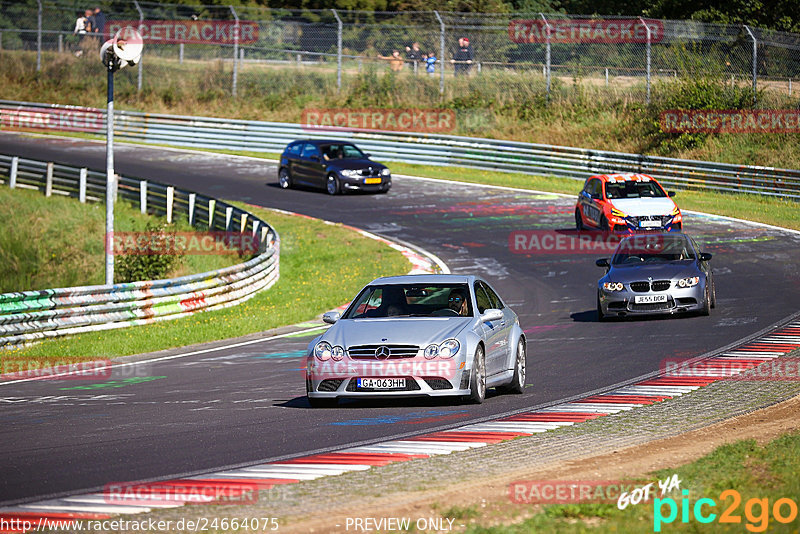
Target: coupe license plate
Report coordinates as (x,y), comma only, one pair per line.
(649,224)
(649,299)
(372,180)
(382,383)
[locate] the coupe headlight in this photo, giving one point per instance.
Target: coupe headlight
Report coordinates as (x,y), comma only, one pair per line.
(613,286)
(689,282)
(337,353)
(431,351)
(449,348)
(385,172)
(350,173)
(323,351)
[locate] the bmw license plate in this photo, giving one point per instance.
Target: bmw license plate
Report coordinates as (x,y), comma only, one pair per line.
(649,299)
(372,181)
(649,224)
(382,383)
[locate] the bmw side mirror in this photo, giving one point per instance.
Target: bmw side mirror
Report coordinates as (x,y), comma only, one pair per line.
(671,193)
(491,315)
(705,256)
(331,317)
(603,262)
(368,155)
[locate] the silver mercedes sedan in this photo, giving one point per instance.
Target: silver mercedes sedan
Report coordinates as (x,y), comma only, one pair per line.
(418,335)
(660,273)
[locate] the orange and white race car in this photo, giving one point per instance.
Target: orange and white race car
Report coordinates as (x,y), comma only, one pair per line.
(626,203)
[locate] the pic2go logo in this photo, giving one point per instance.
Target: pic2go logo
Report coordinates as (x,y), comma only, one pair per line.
(756,511)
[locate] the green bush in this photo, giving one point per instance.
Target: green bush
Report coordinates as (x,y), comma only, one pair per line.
(135,267)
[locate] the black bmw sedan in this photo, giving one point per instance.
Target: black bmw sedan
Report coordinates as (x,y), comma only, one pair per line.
(336,166)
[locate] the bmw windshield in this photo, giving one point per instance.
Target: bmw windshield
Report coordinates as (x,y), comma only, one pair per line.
(395,300)
(341,151)
(653,249)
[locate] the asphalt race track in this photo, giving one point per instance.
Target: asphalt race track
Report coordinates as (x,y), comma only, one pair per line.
(247,404)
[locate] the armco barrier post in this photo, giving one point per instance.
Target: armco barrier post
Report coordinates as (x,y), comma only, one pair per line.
(243,223)
(12,176)
(192,198)
(48,184)
(228,217)
(212,204)
(755,61)
(143,196)
(170,199)
(82,185)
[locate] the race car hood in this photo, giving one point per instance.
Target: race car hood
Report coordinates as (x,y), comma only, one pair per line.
(637,207)
(389,331)
(657,271)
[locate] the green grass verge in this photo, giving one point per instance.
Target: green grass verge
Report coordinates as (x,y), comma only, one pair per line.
(322,266)
(59,242)
(769,472)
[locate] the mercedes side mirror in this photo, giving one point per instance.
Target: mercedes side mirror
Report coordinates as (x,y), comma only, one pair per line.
(491,315)
(331,317)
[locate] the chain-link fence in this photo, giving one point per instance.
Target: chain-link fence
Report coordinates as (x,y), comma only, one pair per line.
(246,51)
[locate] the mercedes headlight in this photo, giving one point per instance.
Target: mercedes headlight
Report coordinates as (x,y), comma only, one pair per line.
(323,351)
(613,286)
(385,172)
(337,353)
(689,282)
(350,173)
(449,348)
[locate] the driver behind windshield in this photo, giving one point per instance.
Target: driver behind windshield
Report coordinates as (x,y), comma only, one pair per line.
(457,302)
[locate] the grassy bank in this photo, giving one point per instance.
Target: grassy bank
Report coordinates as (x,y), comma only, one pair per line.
(765,474)
(321,267)
(497,104)
(59,242)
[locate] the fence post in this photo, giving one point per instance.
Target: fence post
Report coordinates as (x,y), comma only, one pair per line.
(606,76)
(212,203)
(790,87)
(141,20)
(143,196)
(12,175)
(39,37)
(192,197)
(235,50)
(338,50)
(441,52)
(170,200)
(1,40)
(48,184)
(649,39)
(180,53)
(60,43)
(228,217)
(547,31)
(755,60)
(82,186)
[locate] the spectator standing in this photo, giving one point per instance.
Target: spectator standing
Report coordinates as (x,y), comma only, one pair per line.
(395,60)
(430,64)
(414,54)
(99,23)
(80,24)
(463,57)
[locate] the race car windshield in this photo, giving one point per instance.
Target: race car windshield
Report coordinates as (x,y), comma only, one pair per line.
(652,249)
(631,189)
(341,151)
(404,301)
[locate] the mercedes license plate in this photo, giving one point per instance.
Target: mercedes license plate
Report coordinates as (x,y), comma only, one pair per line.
(382,383)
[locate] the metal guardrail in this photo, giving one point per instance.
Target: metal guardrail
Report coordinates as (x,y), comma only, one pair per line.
(32,315)
(428,149)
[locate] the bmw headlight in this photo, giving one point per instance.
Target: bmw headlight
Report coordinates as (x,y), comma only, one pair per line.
(689,282)
(449,348)
(613,286)
(337,353)
(323,351)
(431,351)
(350,173)
(385,172)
